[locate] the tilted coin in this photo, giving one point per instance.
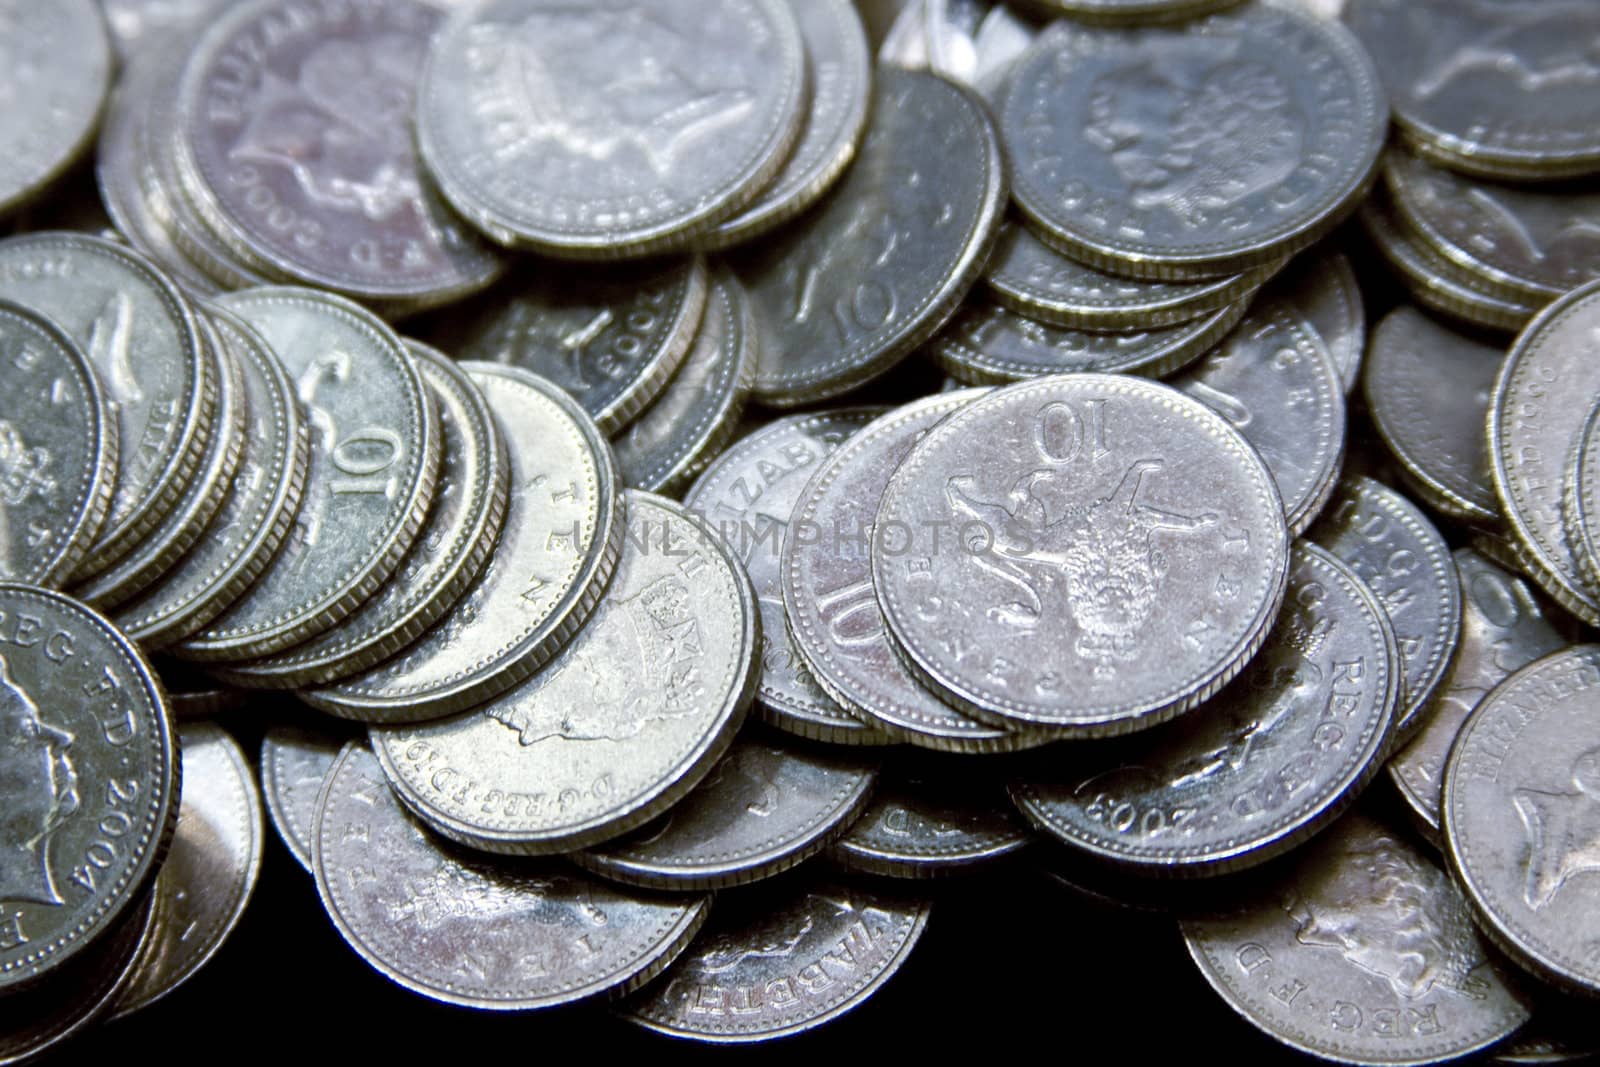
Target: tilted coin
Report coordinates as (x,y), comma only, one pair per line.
(905,42)
(1324,288)
(1088,554)
(539,130)
(1261,766)
(986,344)
(459,929)
(258,513)
(91,781)
(558,544)
(58,437)
(193,694)
(1503,627)
(1561,1031)
(1405,562)
(1581,501)
(1123,12)
(833,615)
(883,263)
(1273,379)
(1003,37)
(457,538)
(747,497)
(683,431)
(951,27)
(781,960)
(1363,952)
(374,461)
(839,65)
(1490,89)
(1196,150)
(619,726)
(766,806)
(295,761)
(1427,389)
(1542,397)
(1520,812)
(56,60)
(209,873)
(611,336)
(140,336)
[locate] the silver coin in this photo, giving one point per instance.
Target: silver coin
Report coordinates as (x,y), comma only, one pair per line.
(558,544)
(1364,953)
(59,469)
(905,44)
(454,546)
(1493,89)
(91,781)
(765,807)
(619,726)
(1561,1031)
(1127,12)
(1263,765)
(135,24)
(694,417)
(1503,627)
(839,63)
(1088,554)
(878,268)
(1274,381)
(295,761)
(1002,38)
(1581,501)
(294,127)
(1427,389)
(987,344)
(1325,290)
(951,28)
(1405,562)
(461,930)
(833,615)
(770,963)
(1521,803)
(1542,397)
(747,497)
(1201,149)
(931,820)
(56,59)
(374,461)
(210,872)
(141,338)
(537,123)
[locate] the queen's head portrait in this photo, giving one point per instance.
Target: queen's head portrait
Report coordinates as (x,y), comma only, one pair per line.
(38,793)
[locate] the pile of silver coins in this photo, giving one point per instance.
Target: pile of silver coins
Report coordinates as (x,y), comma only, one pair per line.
(645,489)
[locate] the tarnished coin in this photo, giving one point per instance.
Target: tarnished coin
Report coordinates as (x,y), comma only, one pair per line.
(1273,380)
(598,132)
(1405,562)
(141,338)
(454,546)
(374,461)
(56,63)
(622,724)
(459,929)
(826,583)
(747,498)
(1503,627)
(1427,389)
(1087,554)
(558,544)
(1260,767)
(766,806)
(295,761)
(1494,89)
(1323,287)
(839,65)
(1545,390)
(258,513)
(1521,807)
(861,283)
(210,871)
(1197,150)
(90,780)
(770,962)
(931,818)
(681,433)
(1363,952)
(58,450)
(986,344)
(611,336)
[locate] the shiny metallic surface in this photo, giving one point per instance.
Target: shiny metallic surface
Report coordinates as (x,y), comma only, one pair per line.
(1327,293)
(295,761)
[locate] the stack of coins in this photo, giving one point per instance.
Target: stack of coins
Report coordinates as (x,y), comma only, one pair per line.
(617,679)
